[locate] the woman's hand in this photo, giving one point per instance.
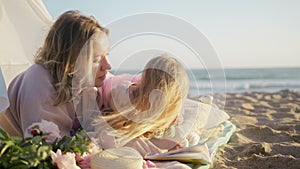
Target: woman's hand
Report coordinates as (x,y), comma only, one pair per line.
(89,95)
(87,102)
(144,146)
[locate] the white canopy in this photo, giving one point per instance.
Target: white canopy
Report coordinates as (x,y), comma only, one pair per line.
(23,26)
(3,95)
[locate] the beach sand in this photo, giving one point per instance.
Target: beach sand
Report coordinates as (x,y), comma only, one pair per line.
(268,131)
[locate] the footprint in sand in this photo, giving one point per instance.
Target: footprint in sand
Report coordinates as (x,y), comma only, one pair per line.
(247,106)
(256,148)
(286,149)
(266,134)
(268,97)
(276,96)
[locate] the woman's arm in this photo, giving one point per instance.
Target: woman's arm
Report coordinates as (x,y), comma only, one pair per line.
(32,99)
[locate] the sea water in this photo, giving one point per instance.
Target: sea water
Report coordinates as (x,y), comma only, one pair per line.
(244,80)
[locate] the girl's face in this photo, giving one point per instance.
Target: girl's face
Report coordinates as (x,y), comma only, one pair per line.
(101,49)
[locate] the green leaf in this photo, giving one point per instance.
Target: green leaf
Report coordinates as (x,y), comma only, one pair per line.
(17,147)
(7,144)
(20,166)
(37,140)
(46,165)
(3,134)
(44,152)
(17,139)
(14,158)
(34,152)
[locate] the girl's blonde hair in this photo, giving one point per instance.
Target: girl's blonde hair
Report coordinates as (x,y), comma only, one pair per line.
(61,48)
(157,101)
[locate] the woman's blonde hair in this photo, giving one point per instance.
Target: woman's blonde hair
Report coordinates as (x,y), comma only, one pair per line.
(157,101)
(61,48)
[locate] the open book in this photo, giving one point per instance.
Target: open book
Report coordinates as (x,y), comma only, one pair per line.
(198,154)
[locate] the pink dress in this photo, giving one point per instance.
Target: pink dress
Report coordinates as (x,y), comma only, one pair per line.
(113,84)
(117,81)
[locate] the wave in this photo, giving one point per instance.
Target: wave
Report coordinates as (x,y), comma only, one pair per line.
(246,74)
(245,86)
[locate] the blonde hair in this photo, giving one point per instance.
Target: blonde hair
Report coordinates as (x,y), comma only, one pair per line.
(61,48)
(158,100)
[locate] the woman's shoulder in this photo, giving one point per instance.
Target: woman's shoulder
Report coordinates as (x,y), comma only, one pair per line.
(31,87)
(36,70)
(34,77)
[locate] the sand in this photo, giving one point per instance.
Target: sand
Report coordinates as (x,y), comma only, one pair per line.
(268,131)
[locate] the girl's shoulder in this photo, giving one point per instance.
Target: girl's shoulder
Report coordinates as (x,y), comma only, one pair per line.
(119,80)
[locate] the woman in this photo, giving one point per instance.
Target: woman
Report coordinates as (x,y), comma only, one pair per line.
(142,106)
(44,90)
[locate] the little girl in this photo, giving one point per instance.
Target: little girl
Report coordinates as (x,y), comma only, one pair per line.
(143,105)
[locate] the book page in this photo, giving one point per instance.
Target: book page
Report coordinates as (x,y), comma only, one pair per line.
(197,154)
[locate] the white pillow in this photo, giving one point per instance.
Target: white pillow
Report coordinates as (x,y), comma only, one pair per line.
(203,115)
(196,116)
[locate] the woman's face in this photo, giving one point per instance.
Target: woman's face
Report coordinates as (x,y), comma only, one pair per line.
(101,49)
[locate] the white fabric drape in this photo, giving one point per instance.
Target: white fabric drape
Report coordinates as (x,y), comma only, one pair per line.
(23,26)
(3,95)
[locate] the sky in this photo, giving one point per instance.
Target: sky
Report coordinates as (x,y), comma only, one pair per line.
(244,34)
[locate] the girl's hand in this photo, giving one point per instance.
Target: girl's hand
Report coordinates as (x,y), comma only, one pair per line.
(144,146)
(167,144)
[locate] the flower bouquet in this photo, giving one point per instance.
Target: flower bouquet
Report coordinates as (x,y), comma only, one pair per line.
(43,147)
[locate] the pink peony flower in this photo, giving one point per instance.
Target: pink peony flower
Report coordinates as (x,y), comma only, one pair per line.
(83,161)
(64,161)
(150,164)
(45,127)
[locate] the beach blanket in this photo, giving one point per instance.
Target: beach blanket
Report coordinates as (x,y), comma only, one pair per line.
(214,143)
(210,124)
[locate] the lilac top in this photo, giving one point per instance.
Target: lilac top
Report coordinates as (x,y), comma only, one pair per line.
(31,96)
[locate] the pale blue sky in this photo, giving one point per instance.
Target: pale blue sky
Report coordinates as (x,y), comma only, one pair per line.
(248,33)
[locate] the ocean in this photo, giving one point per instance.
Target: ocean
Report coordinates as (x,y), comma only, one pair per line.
(244,80)
(211,81)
